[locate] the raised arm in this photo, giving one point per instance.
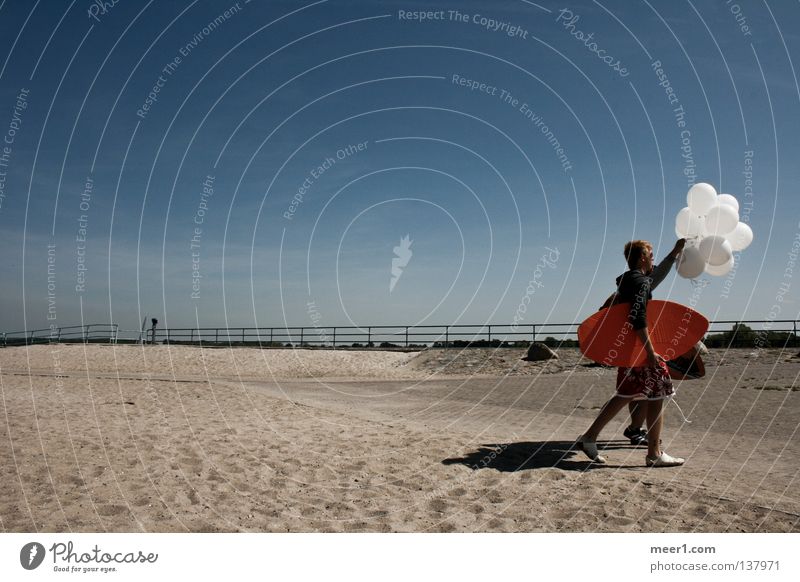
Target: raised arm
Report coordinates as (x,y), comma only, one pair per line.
(662,269)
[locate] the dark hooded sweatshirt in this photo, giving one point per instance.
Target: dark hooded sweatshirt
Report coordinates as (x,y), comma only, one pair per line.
(636,288)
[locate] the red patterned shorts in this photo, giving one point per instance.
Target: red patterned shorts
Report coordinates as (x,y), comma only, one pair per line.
(644,383)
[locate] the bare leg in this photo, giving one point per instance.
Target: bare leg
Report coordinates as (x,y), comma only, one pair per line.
(638,412)
(655,421)
(609,411)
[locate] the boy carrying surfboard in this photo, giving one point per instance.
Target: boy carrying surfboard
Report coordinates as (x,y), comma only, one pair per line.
(645,378)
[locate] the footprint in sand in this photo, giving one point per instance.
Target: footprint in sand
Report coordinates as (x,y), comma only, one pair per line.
(111,510)
(477,509)
(618,522)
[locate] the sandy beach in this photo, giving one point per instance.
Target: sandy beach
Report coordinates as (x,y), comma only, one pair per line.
(176,438)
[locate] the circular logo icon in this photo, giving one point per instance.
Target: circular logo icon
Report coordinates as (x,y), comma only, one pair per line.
(31,555)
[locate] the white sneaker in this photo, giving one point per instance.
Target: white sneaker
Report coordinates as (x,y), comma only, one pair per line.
(664,460)
(590,449)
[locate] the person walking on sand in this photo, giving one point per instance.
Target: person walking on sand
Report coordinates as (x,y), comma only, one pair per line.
(649,384)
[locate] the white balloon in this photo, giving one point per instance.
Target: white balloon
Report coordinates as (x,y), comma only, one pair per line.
(701,197)
(730,200)
(716,250)
(687,224)
(741,237)
(720,270)
(721,219)
(705,232)
(691,263)
(682,221)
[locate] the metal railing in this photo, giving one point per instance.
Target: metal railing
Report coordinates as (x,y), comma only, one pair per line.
(387,336)
(366,336)
(90,333)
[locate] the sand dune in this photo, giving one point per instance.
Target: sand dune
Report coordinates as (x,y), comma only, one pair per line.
(185,361)
(249,440)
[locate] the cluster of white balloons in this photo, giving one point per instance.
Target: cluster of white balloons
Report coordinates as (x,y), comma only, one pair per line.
(710,224)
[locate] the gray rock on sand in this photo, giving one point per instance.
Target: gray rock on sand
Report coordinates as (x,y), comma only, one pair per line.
(539,352)
(701,347)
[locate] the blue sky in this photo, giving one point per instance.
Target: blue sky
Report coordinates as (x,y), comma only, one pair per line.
(273,97)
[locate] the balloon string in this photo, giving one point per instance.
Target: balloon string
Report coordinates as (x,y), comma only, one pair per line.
(680,411)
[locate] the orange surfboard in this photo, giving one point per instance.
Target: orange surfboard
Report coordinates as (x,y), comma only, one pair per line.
(607,338)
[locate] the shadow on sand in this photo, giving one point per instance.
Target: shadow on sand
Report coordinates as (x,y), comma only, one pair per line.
(510,457)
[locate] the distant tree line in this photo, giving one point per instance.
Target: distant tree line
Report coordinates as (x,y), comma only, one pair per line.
(743,336)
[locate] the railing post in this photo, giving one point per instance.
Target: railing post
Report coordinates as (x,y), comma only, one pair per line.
(216,335)
(369,336)
(334,338)
(242,335)
(191,337)
(85,333)
(490,334)
(446,335)
(302,332)
(270,336)
(406,336)
(154,337)
(533,332)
